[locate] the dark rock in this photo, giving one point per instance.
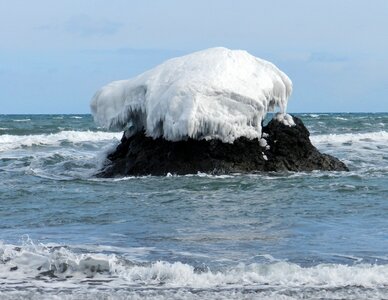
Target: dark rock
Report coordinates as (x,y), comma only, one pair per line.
(49,273)
(289,149)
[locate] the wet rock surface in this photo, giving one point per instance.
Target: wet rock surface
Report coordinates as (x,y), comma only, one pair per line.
(288,149)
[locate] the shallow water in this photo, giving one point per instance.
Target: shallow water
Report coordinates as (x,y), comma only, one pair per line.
(67,235)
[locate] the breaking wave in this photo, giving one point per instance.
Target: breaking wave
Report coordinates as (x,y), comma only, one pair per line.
(30,267)
(64,155)
(346,138)
(362,152)
(9,142)
(22,120)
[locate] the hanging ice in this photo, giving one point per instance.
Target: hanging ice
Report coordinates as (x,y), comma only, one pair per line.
(214,93)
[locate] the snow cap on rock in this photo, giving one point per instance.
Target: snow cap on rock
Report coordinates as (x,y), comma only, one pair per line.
(213,94)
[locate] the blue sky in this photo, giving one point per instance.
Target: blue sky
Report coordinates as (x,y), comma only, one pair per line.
(54,55)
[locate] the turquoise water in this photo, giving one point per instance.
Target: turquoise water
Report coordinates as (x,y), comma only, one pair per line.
(65,234)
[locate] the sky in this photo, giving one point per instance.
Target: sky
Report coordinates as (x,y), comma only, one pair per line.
(54,55)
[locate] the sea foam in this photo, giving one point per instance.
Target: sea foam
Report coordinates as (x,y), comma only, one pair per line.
(338,139)
(9,142)
(54,262)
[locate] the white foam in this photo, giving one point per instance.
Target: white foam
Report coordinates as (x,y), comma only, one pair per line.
(21,120)
(29,261)
(9,142)
(364,152)
(261,293)
(214,93)
(337,139)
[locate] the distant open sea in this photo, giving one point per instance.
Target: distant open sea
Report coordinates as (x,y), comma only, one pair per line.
(65,234)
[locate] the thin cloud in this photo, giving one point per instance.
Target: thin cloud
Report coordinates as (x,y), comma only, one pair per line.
(85,26)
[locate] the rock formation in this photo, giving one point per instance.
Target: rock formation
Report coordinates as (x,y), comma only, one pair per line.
(288,149)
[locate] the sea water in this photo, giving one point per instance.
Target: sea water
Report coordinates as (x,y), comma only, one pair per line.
(65,234)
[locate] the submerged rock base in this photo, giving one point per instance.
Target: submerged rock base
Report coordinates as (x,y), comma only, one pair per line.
(288,149)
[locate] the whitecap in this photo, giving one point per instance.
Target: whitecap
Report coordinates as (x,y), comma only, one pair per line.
(337,139)
(9,142)
(107,269)
(21,120)
(31,260)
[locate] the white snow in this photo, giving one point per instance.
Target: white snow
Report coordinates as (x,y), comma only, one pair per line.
(263,142)
(286,119)
(214,93)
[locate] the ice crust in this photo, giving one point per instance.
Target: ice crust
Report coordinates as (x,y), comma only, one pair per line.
(213,94)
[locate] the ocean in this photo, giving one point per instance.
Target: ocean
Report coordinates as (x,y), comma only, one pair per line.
(65,234)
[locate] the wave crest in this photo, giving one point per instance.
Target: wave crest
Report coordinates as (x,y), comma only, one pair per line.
(10,142)
(61,263)
(346,138)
